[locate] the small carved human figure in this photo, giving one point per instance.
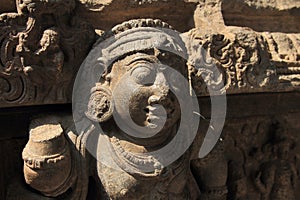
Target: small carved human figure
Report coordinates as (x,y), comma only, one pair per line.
(52,58)
(50,48)
(277,178)
(49,66)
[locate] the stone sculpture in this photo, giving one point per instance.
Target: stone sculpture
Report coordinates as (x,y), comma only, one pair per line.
(123,139)
(126,169)
(55,162)
(127,174)
(41,51)
(277,177)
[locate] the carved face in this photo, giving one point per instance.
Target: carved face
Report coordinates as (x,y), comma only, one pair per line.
(50,39)
(141,84)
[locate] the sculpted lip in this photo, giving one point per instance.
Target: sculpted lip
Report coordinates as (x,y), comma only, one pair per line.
(155,115)
(155,111)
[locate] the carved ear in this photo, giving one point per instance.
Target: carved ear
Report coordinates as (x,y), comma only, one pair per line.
(100,107)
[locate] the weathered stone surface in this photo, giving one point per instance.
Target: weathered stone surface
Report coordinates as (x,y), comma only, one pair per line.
(104,14)
(7,6)
(41,51)
(126,164)
(35,72)
(274,16)
(248,50)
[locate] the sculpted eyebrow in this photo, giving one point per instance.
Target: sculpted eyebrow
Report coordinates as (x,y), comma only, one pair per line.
(132,64)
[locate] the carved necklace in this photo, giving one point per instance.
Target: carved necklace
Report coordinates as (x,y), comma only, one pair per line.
(143,165)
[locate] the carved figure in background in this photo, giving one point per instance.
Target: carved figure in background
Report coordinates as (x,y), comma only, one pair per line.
(52,56)
(276,178)
(49,67)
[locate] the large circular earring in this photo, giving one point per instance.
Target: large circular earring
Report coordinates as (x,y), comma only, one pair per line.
(100,106)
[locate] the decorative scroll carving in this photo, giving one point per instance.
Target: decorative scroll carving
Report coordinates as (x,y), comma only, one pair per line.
(244,61)
(285,54)
(42,47)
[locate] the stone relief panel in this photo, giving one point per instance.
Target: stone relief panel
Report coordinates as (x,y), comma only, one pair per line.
(41,50)
(49,37)
(247,61)
(250,160)
(42,47)
(257,159)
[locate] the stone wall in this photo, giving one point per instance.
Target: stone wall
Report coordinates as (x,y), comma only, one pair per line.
(64,68)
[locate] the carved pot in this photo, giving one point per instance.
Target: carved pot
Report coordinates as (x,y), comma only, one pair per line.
(47,160)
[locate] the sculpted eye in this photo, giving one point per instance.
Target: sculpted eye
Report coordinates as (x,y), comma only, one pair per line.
(143,75)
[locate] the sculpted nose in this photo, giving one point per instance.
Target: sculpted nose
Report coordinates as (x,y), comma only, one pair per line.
(153,99)
(161,79)
(161,90)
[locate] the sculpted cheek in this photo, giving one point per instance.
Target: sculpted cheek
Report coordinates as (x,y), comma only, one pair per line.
(138,104)
(122,93)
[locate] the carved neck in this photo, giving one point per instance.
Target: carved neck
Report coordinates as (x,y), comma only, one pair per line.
(141,145)
(136,159)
